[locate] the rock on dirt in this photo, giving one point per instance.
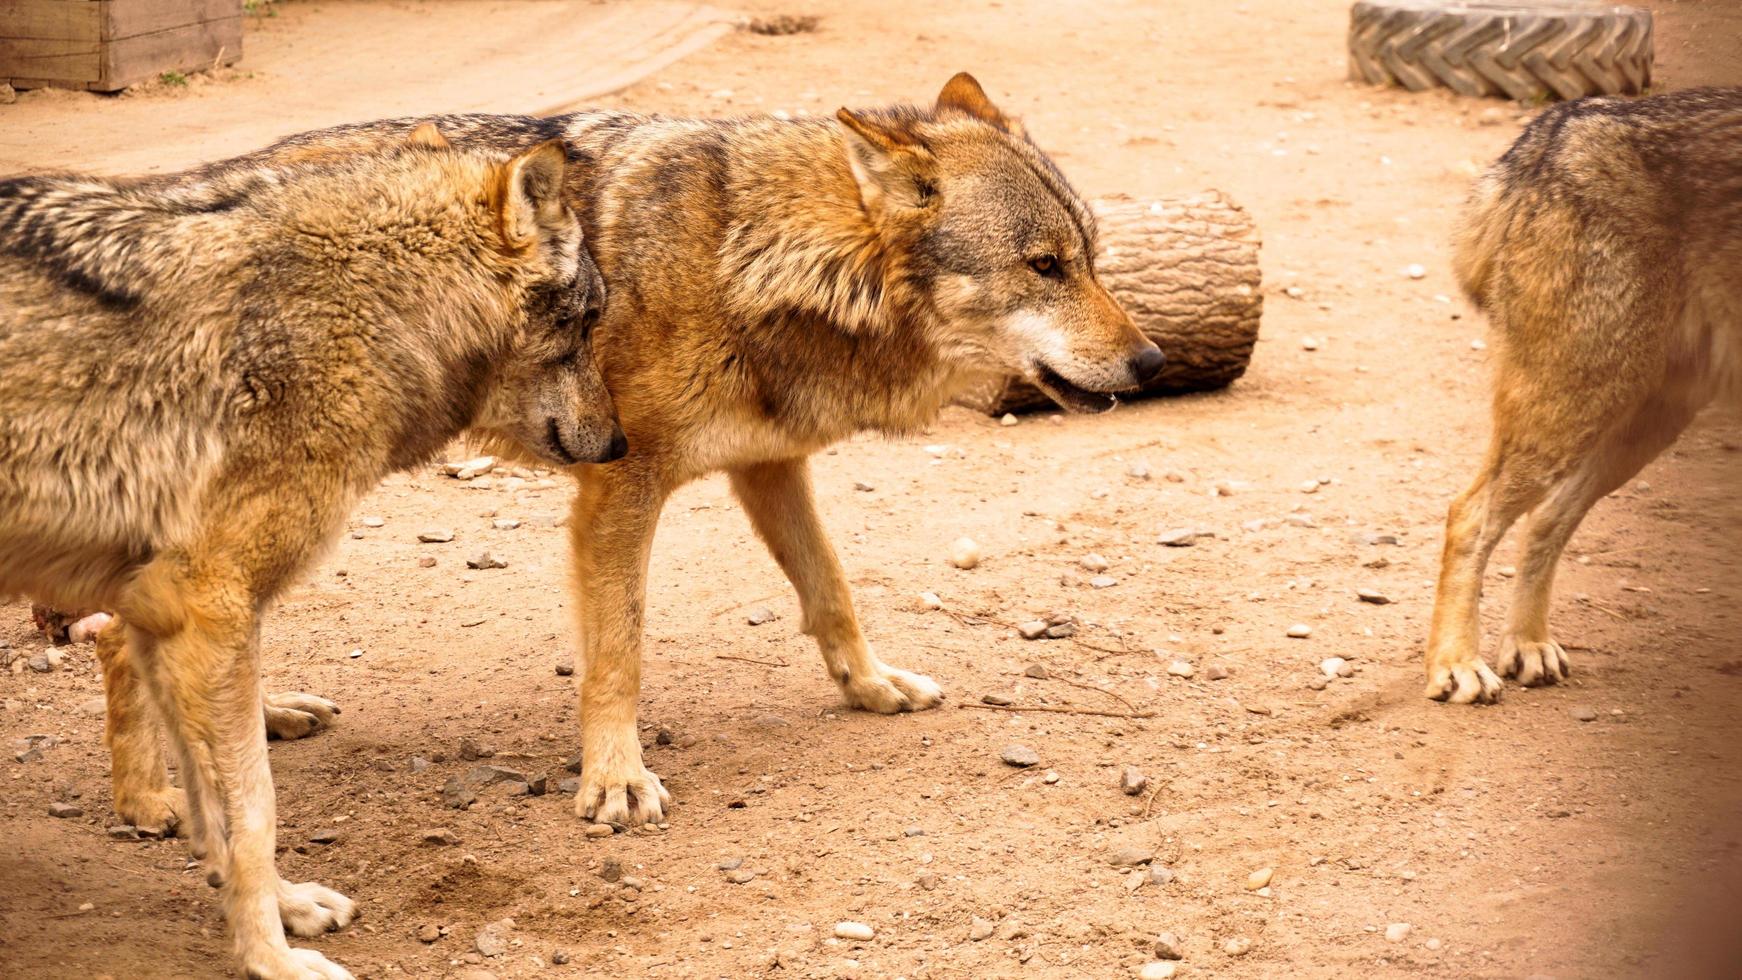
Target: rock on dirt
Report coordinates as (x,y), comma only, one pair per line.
(964,553)
(1237,946)
(435,535)
(429,932)
(1397,932)
(1259,879)
(1374,596)
(979,929)
(1181,668)
(486,560)
(1019,756)
(1179,537)
(64,810)
(1299,631)
(856,931)
(492,940)
(1583,713)
(1132,781)
(1033,629)
(759,616)
(1157,970)
(1130,857)
(1167,947)
(1332,665)
(1094,562)
(441,836)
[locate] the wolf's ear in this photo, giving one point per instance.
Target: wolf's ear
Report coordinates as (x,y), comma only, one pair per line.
(529,193)
(428,135)
(963,94)
(892,170)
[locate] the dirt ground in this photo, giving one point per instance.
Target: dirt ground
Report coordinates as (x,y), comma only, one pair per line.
(1515,840)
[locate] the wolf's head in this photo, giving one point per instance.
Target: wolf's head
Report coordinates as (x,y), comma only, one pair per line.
(546,396)
(998,244)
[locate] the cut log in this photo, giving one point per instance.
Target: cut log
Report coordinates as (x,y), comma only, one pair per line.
(1186,269)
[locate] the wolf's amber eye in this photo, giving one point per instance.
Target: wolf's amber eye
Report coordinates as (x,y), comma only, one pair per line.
(1045,265)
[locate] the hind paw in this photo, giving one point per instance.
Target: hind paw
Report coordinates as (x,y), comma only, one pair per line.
(1464,681)
(1533,663)
(293,715)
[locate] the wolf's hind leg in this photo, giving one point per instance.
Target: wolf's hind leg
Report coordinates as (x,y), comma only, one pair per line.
(1527,651)
(778,498)
(143,795)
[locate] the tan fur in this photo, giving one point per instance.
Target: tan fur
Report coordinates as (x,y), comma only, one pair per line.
(1606,247)
(197,382)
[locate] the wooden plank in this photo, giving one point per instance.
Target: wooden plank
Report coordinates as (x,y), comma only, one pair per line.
(132,60)
(131,18)
(57,60)
(76,20)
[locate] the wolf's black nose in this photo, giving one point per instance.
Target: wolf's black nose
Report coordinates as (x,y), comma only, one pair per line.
(1147,363)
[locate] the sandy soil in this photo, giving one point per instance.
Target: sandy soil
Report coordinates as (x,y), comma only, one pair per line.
(1516,840)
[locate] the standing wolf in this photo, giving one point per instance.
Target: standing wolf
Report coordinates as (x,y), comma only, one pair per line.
(198,380)
(1606,248)
(776,286)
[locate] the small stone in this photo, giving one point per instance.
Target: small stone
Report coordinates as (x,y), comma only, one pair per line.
(1390,539)
(1160,874)
(1346,669)
(1237,946)
(64,810)
(471,751)
(1051,777)
(979,929)
(426,562)
(505,524)
(8,94)
(964,553)
(1036,671)
(1094,562)
(863,487)
(1259,879)
(1008,419)
(373,522)
(740,876)
(611,869)
(559,957)
(435,535)
(1216,672)
(1397,932)
(1103,582)
(1374,596)
(1032,630)
(858,932)
(1309,343)
(441,836)
(1019,756)
(1583,713)
(759,616)
(1130,857)
(1181,537)
(1011,929)
(486,560)
(1060,631)
(481,777)
(429,932)
(1167,947)
(1415,271)
(1157,970)
(1433,944)
(565,668)
(930,600)
(492,940)
(599,830)
(1332,665)
(1299,631)
(1138,470)
(573,762)
(997,700)
(457,795)
(1181,668)
(1132,781)
(1310,486)
(324,837)
(1318,683)
(570,786)
(40,664)
(125,831)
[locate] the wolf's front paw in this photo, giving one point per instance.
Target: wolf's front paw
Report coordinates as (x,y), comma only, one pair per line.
(1533,663)
(161,811)
(1461,680)
(293,715)
(624,796)
(291,964)
(888,691)
(308,909)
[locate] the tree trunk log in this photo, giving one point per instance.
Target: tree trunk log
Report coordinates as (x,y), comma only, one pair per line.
(1186,269)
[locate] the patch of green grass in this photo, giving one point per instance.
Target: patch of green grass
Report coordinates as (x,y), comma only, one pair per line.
(173,79)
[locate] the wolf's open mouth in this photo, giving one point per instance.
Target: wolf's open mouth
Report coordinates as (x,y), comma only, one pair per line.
(1070,397)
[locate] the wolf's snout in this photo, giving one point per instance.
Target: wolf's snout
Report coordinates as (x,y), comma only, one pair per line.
(619,447)
(1147,363)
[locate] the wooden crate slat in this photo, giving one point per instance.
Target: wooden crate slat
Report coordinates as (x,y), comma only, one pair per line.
(132,60)
(130,18)
(76,20)
(58,60)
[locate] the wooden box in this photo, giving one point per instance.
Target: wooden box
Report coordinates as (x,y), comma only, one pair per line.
(106,45)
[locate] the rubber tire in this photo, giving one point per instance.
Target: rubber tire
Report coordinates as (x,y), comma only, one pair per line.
(1528,51)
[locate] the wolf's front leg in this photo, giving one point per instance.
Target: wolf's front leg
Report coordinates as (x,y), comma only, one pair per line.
(778,498)
(611,531)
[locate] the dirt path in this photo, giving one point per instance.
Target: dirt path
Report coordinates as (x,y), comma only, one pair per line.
(1515,840)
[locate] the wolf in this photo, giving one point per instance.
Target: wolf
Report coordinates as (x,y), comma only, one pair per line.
(1606,248)
(775,286)
(198,380)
